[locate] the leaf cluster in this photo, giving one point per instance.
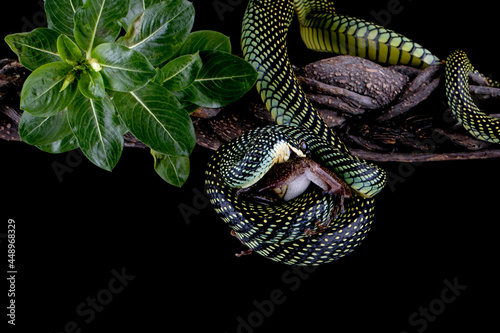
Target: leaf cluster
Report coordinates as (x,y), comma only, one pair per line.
(103,68)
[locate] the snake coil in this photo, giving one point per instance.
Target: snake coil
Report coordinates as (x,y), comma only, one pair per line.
(317,224)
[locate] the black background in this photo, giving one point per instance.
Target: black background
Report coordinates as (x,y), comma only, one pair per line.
(440,224)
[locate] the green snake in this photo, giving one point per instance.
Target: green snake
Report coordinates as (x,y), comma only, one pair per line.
(260,182)
(475,121)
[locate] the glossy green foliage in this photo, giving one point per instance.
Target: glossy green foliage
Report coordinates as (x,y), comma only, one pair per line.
(103,68)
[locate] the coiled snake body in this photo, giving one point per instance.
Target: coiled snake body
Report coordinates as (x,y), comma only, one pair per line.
(260,183)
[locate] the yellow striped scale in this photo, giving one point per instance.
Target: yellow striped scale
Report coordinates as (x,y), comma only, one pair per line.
(289,232)
(264,33)
(340,34)
(480,125)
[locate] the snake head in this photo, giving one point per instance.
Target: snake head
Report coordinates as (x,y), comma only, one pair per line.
(299,149)
(289,149)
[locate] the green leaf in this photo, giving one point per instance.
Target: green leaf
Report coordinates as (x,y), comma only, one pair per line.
(136,8)
(62,145)
(91,85)
(161,30)
(97,129)
(97,22)
(205,40)
(44,130)
(68,50)
(154,116)
(60,15)
(41,94)
(123,69)
(35,48)
(190,107)
(173,169)
(223,79)
(159,77)
(179,73)
(50,134)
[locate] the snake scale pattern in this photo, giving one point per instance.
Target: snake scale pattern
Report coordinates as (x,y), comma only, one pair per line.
(293,193)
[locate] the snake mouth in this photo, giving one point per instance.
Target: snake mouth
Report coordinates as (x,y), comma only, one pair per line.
(285,151)
(300,151)
(288,180)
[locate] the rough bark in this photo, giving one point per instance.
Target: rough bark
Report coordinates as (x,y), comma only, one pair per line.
(379,111)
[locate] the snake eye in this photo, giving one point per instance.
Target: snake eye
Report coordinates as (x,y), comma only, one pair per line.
(298,149)
(303,147)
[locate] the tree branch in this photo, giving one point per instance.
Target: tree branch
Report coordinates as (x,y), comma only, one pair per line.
(384,114)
